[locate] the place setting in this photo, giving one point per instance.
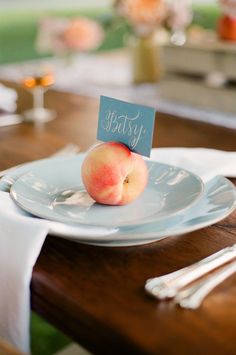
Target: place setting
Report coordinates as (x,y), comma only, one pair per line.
(180,194)
(110,225)
(120,193)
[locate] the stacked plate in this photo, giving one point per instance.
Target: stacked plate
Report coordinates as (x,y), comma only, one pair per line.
(174,202)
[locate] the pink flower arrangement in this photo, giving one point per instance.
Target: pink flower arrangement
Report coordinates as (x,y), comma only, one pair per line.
(63,36)
(143,15)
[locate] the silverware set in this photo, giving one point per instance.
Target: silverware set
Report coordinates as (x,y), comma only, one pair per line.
(189,286)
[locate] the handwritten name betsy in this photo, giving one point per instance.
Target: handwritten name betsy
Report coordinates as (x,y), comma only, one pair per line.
(125,126)
(127,123)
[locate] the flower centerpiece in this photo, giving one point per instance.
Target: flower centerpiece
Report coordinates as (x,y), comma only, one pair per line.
(144,17)
(65,37)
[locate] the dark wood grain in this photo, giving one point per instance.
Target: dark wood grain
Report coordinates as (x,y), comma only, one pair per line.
(96,294)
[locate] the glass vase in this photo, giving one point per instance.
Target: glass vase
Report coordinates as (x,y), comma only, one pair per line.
(146,63)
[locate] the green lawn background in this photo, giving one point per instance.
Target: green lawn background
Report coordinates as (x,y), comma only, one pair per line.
(18,29)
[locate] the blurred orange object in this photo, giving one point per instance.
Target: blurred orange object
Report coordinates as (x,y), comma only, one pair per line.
(227,28)
(45,81)
(37,82)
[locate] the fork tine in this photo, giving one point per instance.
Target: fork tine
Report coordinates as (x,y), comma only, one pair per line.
(67,149)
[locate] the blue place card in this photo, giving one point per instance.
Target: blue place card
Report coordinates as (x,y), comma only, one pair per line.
(126,123)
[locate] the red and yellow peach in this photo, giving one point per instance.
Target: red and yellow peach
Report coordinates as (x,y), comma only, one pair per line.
(113,175)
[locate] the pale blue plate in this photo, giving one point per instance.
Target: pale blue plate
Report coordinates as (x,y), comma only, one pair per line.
(216,203)
(54,190)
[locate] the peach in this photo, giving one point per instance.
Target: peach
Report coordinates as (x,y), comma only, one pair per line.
(113,175)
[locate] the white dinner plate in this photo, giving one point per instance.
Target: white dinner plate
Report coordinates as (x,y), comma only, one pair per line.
(54,190)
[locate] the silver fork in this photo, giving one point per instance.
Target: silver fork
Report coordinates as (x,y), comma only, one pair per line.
(7,181)
(67,150)
(193,296)
(168,286)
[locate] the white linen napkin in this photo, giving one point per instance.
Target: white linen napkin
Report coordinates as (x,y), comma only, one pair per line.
(20,244)
(206,163)
(21,238)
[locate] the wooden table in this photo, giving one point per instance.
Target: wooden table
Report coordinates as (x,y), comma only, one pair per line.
(96,294)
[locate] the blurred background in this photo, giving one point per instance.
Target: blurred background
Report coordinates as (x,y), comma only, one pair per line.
(19,22)
(155,45)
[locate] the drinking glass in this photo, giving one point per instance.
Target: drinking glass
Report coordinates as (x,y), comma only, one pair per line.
(37,84)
